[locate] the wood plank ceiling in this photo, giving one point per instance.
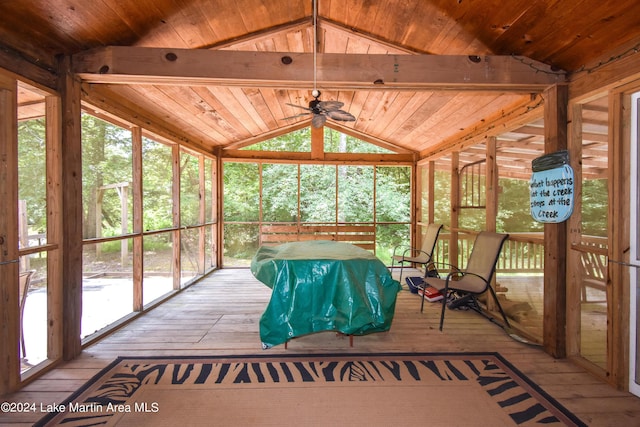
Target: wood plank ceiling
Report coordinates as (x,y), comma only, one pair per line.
(567,35)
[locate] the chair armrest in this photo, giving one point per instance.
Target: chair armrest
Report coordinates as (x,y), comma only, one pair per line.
(405,247)
(412,251)
(452,267)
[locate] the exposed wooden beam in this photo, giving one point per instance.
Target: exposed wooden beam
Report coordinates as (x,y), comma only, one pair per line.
(141,65)
(307,157)
(41,75)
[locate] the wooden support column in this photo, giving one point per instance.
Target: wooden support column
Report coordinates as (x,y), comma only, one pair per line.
(491,183)
(175,190)
(491,199)
(138,249)
(618,280)
(416,203)
(218,203)
(432,191)
(55,318)
(202,216)
(317,143)
(555,235)
(71,211)
(455,207)
(9,312)
(574,236)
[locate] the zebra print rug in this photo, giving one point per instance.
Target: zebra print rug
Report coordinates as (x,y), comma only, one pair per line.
(465,389)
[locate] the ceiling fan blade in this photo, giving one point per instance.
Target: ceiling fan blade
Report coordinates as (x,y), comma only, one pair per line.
(318,120)
(341,115)
(296,116)
(330,105)
(299,106)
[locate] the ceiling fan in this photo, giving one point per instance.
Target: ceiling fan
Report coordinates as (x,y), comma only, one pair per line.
(323,109)
(320,110)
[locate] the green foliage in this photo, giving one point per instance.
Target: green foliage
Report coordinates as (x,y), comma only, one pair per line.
(595,207)
(337,142)
(189,190)
(442,197)
(355,193)
(298,141)
(32,172)
(157,182)
(393,194)
(280,192)
(106,160)
(514,213)
(311,192)
(318,193)
(241,192)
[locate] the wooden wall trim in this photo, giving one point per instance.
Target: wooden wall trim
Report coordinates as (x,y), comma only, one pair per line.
(555,235)
(574,273)
(72,211)
(9,312)
(618,292)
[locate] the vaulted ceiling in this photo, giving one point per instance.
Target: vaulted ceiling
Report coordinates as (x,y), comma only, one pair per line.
(549,38)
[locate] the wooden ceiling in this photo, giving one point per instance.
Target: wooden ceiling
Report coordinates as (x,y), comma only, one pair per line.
(547,36)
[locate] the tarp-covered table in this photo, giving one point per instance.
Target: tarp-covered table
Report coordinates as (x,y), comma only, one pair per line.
(323,286)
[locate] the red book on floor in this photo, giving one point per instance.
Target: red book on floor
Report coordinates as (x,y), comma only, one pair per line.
(430,293)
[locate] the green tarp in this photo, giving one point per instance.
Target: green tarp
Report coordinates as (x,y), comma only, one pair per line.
(323,286)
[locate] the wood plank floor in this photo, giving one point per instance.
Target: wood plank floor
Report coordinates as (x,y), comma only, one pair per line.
(220,315)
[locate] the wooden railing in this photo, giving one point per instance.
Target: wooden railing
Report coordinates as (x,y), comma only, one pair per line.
(522,252)
(362,235)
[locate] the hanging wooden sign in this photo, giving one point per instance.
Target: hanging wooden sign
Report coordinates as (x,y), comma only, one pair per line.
(552,188)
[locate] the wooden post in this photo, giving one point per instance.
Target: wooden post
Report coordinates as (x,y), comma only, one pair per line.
(432,190)
(202,216)
(138,249)
(455,207)
(574,271)
(555,235)
(317,143)
(219,202)
(177,273)
(417,207)
(54,227)
(491,184)
(491,199)
(72,211)
(618,280)
(9,306)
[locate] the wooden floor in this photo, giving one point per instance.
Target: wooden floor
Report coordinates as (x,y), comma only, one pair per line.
(220,315)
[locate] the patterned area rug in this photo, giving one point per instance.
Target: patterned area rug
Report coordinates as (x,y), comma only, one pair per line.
(436,389)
